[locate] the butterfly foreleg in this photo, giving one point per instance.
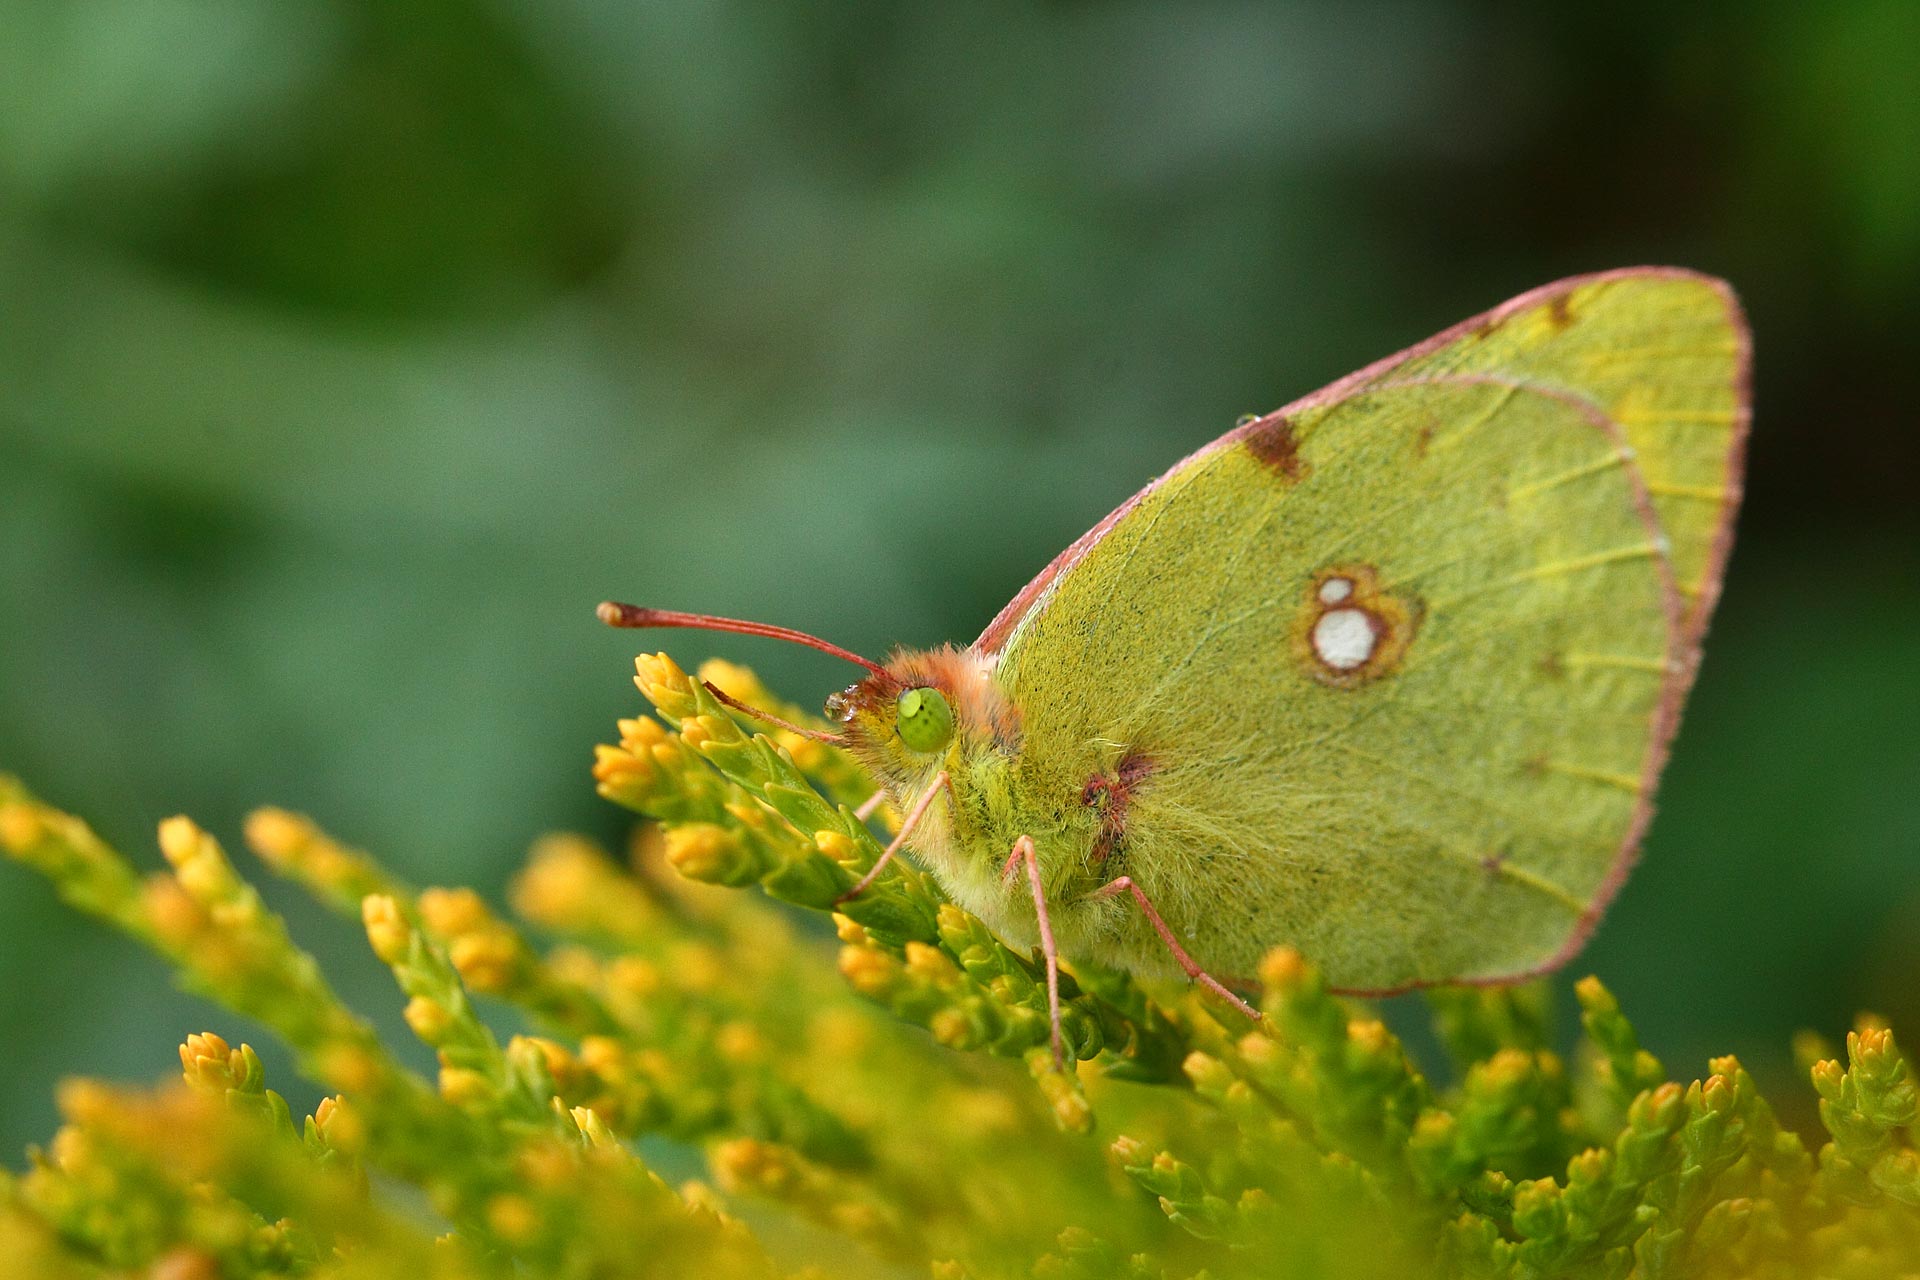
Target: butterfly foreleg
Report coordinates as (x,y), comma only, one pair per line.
(1023,852)
(907,825)
(1125,884)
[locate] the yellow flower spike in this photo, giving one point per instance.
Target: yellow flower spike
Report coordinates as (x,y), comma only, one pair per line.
(278,837)
(20,827)
(197,862)
(836,845)
(487,962)
(547,1164)
(387,930)
(807,755)
(513,1218)
(951,1028)
(850,931)
(340,1126)
(85,1102)
(1259,1050)
(177,921)
(349,1068)
(603,1057)
(664,684)
(648,738)
(931,964)
(208,1062)
(1209,1074)
(871,972)
(635,976)
(709,853)
(622,777)
(741,1042)
(1369,1035)
(558,1061)
(465,1087)
(1506,1068)
(1589,1166)
(736,681)
(698,731)
(701,1196)
(570,883)
(576,966)
(1594,995)
(71,1151)
(293,844)
(429,1019)
(452,912)
(856,1218)
(595,1130)
(185,1262)
(1284,973)
(1062,1091)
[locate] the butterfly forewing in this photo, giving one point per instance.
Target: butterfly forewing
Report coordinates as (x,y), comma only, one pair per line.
(1402,661)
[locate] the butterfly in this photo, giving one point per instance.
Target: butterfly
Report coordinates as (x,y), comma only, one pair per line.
(1388,674)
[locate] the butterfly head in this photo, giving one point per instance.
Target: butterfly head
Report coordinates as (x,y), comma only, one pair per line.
(911,717)
(909,720)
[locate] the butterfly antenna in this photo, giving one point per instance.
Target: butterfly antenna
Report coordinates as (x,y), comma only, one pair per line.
(831,739)
(630,615)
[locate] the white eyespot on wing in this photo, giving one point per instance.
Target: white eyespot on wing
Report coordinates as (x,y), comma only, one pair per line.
(1344,638)
(1334,590)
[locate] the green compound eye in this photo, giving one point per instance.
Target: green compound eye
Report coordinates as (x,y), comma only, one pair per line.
(925,719)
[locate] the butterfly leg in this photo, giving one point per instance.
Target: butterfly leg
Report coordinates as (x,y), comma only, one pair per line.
(871,805)
(1023,852)
(911,821)
(1125,884)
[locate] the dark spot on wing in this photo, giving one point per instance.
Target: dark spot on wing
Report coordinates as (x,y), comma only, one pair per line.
(1274,445)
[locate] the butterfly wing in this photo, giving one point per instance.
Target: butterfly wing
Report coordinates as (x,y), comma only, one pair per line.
(1402,660)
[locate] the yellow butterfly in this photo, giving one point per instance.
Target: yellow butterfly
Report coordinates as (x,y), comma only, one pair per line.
(1388,674)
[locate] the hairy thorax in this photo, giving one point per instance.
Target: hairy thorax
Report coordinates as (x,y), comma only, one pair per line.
(994,793)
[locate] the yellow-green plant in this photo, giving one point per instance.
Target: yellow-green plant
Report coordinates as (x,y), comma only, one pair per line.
(677,1015)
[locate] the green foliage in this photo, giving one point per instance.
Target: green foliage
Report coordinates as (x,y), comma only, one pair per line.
(677,1016)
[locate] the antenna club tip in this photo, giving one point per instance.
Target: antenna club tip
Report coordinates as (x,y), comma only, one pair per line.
(610,612)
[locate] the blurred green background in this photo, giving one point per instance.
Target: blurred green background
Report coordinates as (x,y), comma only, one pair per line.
(350,352)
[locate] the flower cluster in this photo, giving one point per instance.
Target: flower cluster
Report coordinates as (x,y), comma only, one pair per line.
(702,1090)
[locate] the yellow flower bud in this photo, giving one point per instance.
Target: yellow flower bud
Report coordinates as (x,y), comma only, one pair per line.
(175,917)
(836,845)
(340,1125)
(208,1062)
(20,827)
(487,962)
(387,930)
(513,1218)
(430,1019)
(1283,970)
(464,1087)
(871,972)
(349,1068)
(451,912)
(277,836)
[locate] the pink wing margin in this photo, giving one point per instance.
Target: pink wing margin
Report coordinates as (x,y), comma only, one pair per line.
(1008,620)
